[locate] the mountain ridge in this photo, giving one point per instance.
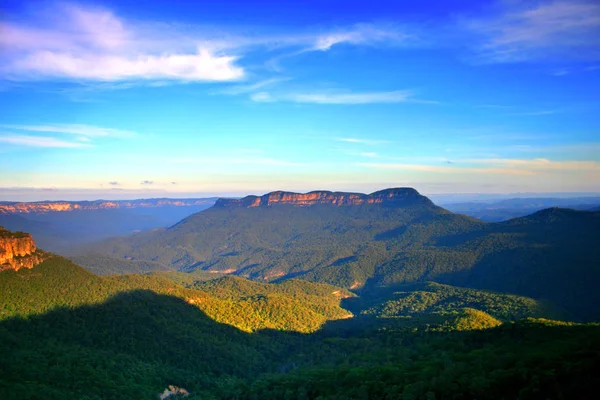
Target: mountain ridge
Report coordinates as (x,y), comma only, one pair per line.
(64,206)
(386,196)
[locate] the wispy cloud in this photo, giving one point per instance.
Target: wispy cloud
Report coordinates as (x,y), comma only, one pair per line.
(262,97)
(540,30)
(537,113)
(39,141)
(497,166)
(146,182)
(249,88)
(93,44)
(363,34)
(446,169)
(233,160)
(74,129)
(370,142)
(399,96)
(114,183)
(331,97)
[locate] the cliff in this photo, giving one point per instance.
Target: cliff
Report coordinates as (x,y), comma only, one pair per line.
(53,206)
(18,250)
(396,196)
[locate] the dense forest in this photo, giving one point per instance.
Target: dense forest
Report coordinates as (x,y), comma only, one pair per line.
(67,333)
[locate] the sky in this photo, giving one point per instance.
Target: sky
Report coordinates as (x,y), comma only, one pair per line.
(119,100)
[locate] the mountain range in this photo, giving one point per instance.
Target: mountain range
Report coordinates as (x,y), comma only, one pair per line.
(359,241)
(309,296)
(60,225)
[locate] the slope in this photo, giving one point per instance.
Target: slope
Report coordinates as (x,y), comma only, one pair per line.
(550,255)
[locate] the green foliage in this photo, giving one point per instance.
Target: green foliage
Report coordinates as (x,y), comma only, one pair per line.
(57,282)
(428,298)
(550,255)
(66,333)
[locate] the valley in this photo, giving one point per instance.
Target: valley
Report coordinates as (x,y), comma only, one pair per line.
(312,296)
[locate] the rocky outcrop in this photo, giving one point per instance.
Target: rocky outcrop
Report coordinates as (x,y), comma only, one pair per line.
(397,196)
(18,250)
(53,206)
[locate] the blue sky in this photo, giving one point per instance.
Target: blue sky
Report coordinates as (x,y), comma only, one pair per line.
(176,99)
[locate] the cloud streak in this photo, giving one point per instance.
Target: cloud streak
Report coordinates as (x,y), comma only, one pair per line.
(552,29)
(40,141)
(333,98)
(74,129)
(497,166)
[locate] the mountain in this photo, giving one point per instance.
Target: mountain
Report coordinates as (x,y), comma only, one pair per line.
(8,207)
(59,225)
(503,210)
(393,236)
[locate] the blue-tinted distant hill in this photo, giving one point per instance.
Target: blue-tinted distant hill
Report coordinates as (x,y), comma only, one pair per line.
(59,225)
(503,210)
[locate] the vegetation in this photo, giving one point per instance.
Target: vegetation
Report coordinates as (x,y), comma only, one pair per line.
(354,246)
(434,298)
(66,333)
(57,282)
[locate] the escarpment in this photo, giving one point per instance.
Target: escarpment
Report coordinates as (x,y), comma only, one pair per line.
(399,196)
(18,250)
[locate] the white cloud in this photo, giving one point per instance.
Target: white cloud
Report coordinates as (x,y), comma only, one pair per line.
(94,44)
(40,141)
(362,34)
(398,96)
(370,142)
(202,66)
(262,97)
(249,88)
(74,129)
(551,29)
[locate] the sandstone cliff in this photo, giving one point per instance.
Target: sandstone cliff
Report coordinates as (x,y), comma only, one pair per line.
(18,250)
(397,196)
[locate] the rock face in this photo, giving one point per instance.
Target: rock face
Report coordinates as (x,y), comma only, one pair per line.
(18,250)
(397,196)
(53,206)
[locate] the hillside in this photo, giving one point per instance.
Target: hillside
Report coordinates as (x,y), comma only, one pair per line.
(67,333)
(403,238)
(58,282)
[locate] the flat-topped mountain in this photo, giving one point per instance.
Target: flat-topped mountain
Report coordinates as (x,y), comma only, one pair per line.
(62,206)
(18,250)
(396,196)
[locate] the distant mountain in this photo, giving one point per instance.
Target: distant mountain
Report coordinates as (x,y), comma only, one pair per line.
(393,236)
(58,226)
(503,210)
(66,206)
